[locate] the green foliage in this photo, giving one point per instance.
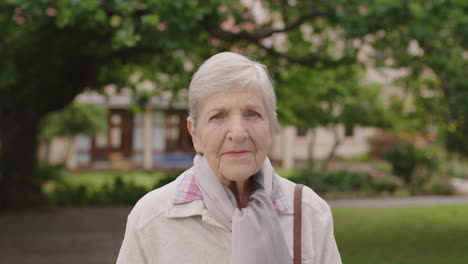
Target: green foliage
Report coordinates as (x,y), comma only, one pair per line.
(75,119)
(385,184)
(404,158)
(168,177)
(65,194)
(51,50)
(345,182)
(412,156)
(79,44)
(432,45)
(439,187)
(120,190)
(48,172)
(318,97)
(311,97)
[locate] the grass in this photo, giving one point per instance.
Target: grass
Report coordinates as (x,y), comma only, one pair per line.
(406,235)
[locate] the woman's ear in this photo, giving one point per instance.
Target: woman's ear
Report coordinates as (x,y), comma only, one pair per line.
(191,129)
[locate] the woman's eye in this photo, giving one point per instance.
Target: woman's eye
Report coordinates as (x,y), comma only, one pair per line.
(253,114)
(217,116)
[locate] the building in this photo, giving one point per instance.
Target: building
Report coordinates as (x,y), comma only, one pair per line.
(157,138)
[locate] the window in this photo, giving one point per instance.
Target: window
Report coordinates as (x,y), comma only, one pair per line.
(349,130)
(177,137)
(301,132)
(83,147)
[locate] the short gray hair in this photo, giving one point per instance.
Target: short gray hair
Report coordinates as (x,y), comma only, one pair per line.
(227,70)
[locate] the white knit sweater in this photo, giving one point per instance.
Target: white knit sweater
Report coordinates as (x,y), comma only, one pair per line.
(161,232)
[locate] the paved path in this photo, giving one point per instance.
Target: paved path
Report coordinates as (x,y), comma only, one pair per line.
(93,234)
(67,235)
(396,202)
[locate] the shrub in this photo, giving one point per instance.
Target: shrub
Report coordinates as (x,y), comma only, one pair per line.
(409,154)
(169,177)
(68,194)
(439,187)
(344,181)
(47,172)
(117,191)
(405,157)
(385,184)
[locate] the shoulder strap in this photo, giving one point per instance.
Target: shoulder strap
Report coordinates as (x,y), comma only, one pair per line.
(297,223)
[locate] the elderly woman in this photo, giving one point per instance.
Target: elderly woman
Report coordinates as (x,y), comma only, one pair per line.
(231,206)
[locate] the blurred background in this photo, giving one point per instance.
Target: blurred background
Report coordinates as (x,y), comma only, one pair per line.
(372,104)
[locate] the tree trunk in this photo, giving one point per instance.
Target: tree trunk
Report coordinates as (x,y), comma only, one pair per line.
(310,158)
(19,184)
(331,154)
(70,147)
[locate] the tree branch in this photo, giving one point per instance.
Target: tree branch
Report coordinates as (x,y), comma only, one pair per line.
(311,60)
(255,37)
(260,33)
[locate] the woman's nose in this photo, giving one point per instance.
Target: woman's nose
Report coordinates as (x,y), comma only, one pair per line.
(237,130)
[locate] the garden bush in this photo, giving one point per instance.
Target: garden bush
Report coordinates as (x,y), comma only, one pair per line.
(439,187)
(405,157)
(409,155)
(47,172)
(344,182)
(118,191)
(385,184)
(169,177)
(69,194)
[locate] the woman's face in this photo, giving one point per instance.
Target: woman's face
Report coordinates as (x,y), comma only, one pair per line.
(233,132)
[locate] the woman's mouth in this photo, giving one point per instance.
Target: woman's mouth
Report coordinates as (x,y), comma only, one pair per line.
(239,153)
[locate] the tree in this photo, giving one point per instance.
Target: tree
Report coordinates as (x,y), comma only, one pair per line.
(438,75)
(427,38)
(329,98)
(53,50)
(432,46)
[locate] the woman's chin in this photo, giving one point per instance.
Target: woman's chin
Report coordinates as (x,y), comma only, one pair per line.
(238,173)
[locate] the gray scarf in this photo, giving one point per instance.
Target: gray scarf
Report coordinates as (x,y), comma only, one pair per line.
(257,237)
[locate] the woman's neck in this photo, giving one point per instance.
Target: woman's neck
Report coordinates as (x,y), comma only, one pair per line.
(242,191)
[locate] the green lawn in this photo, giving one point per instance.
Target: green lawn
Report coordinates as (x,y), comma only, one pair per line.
(405,235)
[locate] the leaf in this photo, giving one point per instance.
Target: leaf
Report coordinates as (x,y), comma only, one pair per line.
(100,16)
(151,20)
(115,21)
(64,17)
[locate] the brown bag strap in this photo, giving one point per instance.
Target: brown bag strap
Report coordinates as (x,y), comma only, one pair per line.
(297,223)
